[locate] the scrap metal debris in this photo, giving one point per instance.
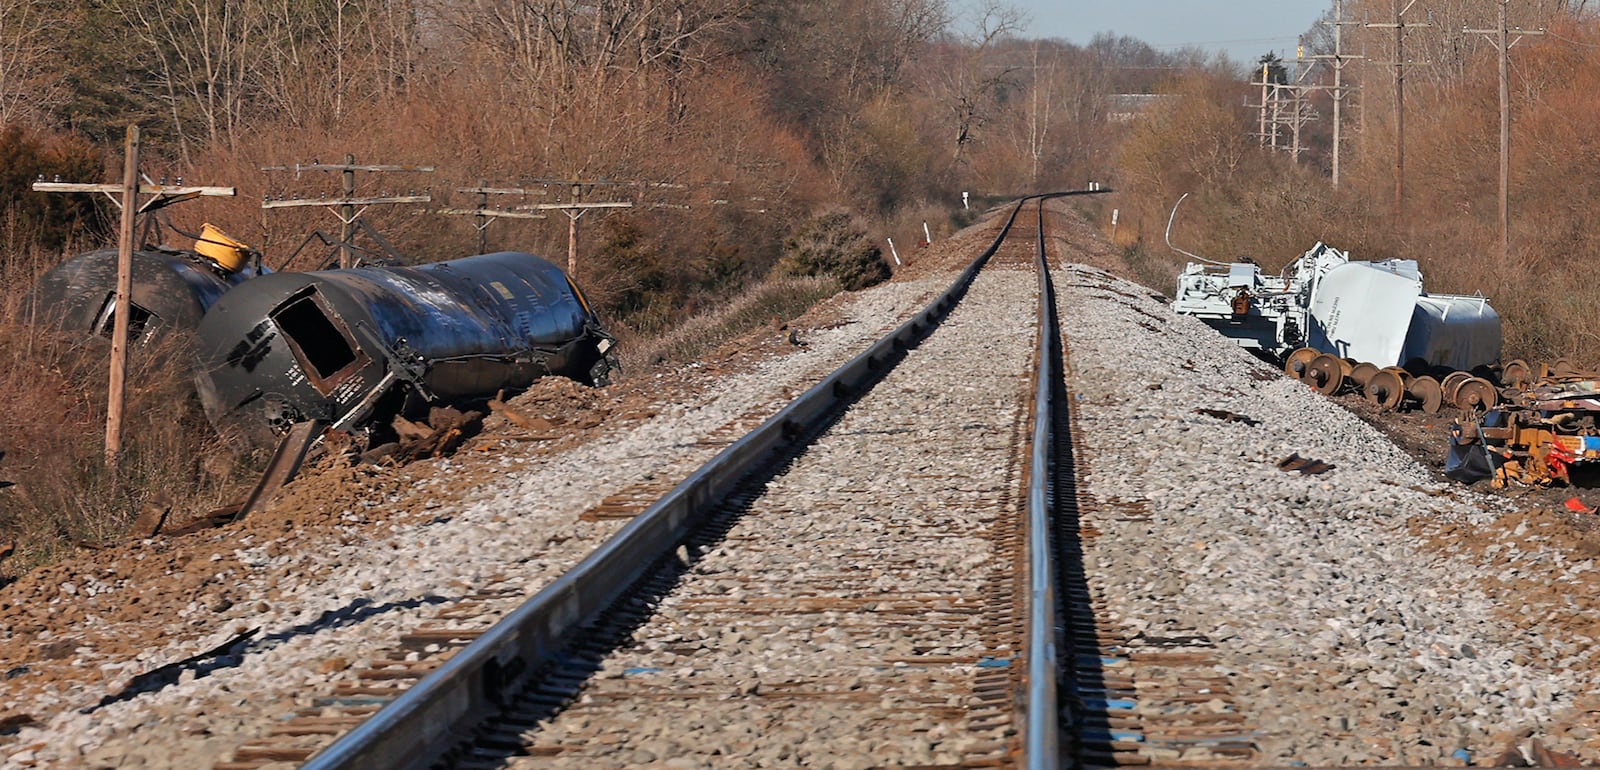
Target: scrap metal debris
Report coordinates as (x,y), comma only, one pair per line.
(164,676)
(1543,430)
(1227,416)
(1305,465)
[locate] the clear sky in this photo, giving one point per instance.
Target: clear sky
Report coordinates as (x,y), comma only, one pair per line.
(1245,29)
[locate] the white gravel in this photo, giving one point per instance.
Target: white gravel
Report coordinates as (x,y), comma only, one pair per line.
(1346,643)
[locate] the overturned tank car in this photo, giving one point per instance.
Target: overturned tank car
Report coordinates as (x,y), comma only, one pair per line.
(172,288)
(1340,324)
(354,348)
(1375,312)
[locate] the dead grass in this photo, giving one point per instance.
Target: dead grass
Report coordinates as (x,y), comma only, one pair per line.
(770,304)
(52,431)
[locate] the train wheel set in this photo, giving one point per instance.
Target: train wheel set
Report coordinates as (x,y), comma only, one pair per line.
(1523,425)
(1393,388)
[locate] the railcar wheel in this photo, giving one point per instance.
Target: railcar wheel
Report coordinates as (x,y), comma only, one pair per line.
(1427,392)
(1386,390)
(1362,373)
(1405,376)
(1325,373)
(1295,365)
(1451,383)
(1477,395)
(1516,373)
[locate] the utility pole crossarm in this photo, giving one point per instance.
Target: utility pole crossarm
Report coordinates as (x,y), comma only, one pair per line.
(164,194)
(352,166)
(576,206)
(494,213)
(144,189)
(279,203)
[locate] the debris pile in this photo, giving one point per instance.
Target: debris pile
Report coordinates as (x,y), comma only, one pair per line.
(1544,430)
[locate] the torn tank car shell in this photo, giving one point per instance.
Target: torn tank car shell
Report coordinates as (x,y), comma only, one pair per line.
(172,288)
(354,348)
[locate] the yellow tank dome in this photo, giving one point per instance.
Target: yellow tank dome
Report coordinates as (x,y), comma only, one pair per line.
(214,244)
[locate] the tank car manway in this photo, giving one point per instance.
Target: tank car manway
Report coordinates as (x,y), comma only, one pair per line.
(862,597)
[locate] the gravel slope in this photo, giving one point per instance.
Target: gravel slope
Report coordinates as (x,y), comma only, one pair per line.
(1351,640)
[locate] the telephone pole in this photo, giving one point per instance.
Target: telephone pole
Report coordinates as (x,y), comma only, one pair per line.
(1503,40)
(126,195)
(347,202)
(1338,58)
(483,215)
(1399,63)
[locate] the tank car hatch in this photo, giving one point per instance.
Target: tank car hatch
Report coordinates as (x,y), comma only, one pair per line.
(319,340)
(139,319)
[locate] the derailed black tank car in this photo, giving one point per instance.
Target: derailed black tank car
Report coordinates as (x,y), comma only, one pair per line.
(359,346)
(171,290)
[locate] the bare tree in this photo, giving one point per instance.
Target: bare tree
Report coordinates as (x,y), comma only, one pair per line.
(972,77)
(565,45)
(29,87)
(201,51)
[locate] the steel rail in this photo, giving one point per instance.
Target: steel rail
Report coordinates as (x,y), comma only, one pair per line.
(1041,734)
(1042,718)
(419,726)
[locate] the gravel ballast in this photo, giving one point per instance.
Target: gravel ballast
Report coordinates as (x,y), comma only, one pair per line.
(1347,642)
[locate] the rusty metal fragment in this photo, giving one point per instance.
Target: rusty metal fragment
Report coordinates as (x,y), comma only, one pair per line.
(1227,416)
(1305,465)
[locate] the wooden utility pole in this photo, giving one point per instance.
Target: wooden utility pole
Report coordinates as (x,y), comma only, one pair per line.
(1399,63)
(127,196)
(575,209)
(1399,116)
(1503,40)
(347,202)
(1338,91)
(117,392)
(483,216)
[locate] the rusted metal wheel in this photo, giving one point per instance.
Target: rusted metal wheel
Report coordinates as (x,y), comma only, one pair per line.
(1477,394)
(1362,373)
(1405,376)
(1564,369)
(1516,373)
(1428,393)
(1451,382)
(1295,365)
(1325,373)
(1386,390)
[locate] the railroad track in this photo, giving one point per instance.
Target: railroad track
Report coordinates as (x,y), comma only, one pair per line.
(899,546)
(1216,609)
